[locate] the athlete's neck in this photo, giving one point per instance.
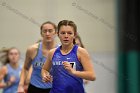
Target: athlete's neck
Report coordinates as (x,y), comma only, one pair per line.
(14,65)
(48,45)
(67,49)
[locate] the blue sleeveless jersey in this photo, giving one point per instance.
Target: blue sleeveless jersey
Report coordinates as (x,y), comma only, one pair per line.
(63,81)
(16,74)
(37,63)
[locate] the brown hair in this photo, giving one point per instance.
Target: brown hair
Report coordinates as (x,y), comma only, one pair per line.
(7,50)
(48,22)
(79,38)
(68,23)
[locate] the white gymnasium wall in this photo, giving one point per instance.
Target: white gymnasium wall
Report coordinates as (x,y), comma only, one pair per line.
(95,19)
(20,21)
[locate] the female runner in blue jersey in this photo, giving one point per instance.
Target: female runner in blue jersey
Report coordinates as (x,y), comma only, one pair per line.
(10,72)
(36,56)
(69,63)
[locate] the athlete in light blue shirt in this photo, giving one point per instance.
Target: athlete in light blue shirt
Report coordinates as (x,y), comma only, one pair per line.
(36,55)
(10,73)
(15,73)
